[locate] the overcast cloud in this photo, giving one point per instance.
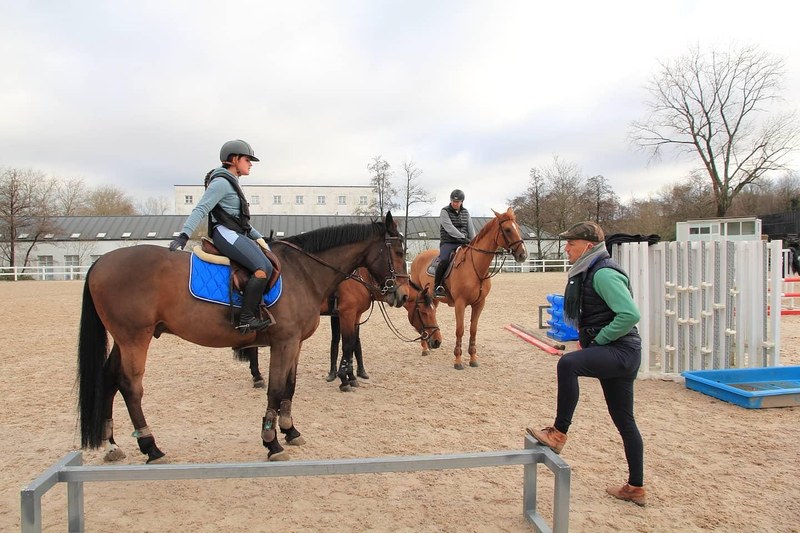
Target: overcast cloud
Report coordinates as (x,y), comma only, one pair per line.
(141,94)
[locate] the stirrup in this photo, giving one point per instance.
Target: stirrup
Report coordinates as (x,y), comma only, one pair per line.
(440,291)
(254,324)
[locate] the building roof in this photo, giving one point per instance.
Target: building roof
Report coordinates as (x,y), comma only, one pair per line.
(165,227)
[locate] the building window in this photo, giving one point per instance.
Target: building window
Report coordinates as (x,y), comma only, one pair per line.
(255,199)
(72,264)
(46,261)
(49,236)
(74,235)
(23,236)
(342,200)
(298,199)
(126,235)
(151,234)
(276,200)
(320,200)
(362,200)
(188,199)
(101,235)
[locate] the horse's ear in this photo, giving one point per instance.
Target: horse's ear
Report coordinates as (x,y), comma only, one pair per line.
(510,212)
(495,213)
(390,221)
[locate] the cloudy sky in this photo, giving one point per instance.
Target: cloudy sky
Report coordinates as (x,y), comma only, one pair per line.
(141,94)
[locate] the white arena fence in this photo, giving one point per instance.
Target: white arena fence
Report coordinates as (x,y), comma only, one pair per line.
(43,273)
(706,304)
(70,470)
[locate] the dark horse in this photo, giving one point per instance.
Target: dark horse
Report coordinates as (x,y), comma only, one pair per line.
(353,299)
(140,292)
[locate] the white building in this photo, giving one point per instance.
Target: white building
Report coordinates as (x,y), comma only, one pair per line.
(339,200)
(719,229)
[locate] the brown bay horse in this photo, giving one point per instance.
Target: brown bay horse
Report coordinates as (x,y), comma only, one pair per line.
(468,282)
(353,299)
(134,294)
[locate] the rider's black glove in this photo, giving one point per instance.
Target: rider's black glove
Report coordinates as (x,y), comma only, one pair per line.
(179,242)
(464,241)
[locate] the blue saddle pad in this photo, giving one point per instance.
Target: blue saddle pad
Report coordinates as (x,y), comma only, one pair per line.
(210,281)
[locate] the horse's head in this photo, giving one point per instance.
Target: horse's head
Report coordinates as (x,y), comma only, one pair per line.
(387,263)
(422,314)
(510,235)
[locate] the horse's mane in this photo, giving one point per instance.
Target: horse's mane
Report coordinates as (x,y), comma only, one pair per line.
(324,238)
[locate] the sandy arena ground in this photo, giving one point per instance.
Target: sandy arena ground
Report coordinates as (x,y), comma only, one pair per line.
(709,465)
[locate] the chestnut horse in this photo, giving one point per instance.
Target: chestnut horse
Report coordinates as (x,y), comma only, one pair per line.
(353,299)
(141,292)
(468,281)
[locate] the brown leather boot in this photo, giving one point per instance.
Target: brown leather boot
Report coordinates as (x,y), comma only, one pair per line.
(550,437)
(629,493)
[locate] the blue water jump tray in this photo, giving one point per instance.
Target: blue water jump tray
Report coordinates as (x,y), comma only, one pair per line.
(753,388)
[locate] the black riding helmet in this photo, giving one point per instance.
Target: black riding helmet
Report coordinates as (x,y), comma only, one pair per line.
(457,194)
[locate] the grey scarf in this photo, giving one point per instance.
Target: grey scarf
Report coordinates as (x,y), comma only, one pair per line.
(573,290)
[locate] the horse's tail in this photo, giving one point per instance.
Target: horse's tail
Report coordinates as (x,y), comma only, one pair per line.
(92,352)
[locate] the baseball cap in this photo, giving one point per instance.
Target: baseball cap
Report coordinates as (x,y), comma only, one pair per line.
(586,231)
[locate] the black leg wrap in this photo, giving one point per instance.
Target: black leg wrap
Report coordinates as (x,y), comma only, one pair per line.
(147,445)
(290,433)
(272,447)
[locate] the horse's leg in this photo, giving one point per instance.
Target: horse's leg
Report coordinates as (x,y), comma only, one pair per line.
(335,335)
(477,309)
(345,371)
(362,372)
(457,364)
(133,359)
(111,379)
(282,379)
(258,378)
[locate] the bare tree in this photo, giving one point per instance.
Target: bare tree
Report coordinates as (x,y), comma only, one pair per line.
(385,193)
(528,206)
(107,200)
(70,197)
(602,200)
(414,195)
(563,205)
(25,209)
(160,205)
(714,106)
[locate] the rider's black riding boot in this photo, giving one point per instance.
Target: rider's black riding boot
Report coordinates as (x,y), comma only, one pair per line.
(437,283)
(250,318)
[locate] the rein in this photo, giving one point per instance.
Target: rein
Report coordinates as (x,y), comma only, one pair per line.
(424,336)
(508,249)
(388,285)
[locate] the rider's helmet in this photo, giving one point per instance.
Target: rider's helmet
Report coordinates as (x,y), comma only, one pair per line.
(236,147)
(457,194)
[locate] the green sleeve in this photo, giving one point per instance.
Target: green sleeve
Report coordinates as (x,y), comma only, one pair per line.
(612,286)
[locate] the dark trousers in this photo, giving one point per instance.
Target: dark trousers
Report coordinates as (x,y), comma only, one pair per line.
(615,365)
(244,251)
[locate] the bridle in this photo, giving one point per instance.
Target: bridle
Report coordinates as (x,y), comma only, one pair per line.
(427,331)
(509,248)
(389,283)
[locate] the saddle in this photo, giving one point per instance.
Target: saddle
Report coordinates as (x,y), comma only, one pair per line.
(435,262)
(239,275)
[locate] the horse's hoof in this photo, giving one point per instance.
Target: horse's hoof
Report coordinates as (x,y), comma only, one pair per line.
(297,441)
(259,383)
(114,454)
(282,455)
(345,387)
(425,352)
(458,366)
(474,364)
(331,377)
(158,460)
(362,374)
(354,383)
